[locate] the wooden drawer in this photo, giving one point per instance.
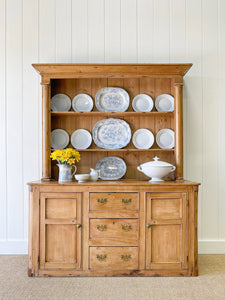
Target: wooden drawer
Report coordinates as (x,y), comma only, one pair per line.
(124,229)
(114,258)
(114,201)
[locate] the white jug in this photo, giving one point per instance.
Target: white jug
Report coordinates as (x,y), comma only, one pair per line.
(94,175)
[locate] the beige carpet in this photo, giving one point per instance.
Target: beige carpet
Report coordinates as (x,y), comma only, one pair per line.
(14,284)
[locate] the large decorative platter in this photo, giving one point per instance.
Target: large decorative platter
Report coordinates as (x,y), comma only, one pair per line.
(59,139)
(81,139)
(112,99)
(111,168)
(164,102)
(60,102)
(165,138)
(82,103)
(111,133)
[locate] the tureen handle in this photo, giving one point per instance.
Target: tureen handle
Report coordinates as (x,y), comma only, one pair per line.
(173,169)
(139,168)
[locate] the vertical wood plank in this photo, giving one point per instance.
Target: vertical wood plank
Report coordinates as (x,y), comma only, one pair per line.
(85,231)
(162,31)
(221,123)
(193,100)
(47,31)
(30,100)
(63,31)
(210,118)
(128,31)
(96,31)
(145,30)
(14,119)
(3,122)
(112,31)
(79,31)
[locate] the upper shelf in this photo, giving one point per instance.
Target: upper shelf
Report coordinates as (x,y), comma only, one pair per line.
(112,114)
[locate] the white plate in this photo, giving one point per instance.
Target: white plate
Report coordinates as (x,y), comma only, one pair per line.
(82,103)
(111,168)
(60,102)
(112,99)
(81,139)
(143,139)
(59,139)
(164,102)
(143,103)
(111,133)
(165,138)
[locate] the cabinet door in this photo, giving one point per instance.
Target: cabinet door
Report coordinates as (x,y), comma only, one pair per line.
(166,231)
(60,232)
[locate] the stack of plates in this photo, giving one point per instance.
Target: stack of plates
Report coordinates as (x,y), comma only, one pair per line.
(165,139)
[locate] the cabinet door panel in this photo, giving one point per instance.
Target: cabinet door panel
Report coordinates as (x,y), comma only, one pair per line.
(166,232)
(60,239)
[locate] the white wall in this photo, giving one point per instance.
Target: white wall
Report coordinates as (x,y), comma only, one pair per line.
(142,31)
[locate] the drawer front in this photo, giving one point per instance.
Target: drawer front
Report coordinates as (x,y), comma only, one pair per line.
(114,258)
(114,201)
(114,228)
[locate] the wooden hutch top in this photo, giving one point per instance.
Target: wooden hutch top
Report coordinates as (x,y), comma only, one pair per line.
(151,79)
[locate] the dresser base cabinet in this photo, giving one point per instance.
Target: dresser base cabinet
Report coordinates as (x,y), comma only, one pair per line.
(124,228)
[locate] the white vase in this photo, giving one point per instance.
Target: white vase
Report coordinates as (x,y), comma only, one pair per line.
(65,173)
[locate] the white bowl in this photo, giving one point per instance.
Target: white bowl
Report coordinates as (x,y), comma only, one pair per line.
(82,177)
(156,169)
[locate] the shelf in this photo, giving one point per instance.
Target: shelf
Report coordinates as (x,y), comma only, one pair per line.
(123,150)
(111,114)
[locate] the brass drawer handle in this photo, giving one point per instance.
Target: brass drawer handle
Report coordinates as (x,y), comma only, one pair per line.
(101,227)
(126,227)
(101,257)
(125,257)
(102,200)
(126,201)
(78,225)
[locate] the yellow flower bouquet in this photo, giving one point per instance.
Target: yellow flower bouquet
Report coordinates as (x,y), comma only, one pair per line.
(66,156)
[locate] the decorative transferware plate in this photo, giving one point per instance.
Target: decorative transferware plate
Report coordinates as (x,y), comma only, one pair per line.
(81,139)
(165,138)
(143,139)
(111,133)
(82,103)
(111,168)
(59,139)
(60,102)
(142,103)
(164,102)
(112,99)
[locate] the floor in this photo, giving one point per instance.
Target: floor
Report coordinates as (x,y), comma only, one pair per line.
(209,285)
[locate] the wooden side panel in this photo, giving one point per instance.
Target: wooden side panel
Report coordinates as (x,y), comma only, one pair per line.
(113,258)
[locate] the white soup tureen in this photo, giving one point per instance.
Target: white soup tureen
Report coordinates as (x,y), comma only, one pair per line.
(156,169)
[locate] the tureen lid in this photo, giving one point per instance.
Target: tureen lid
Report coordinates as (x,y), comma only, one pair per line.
(156,163)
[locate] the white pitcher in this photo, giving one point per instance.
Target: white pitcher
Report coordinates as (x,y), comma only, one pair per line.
(94,175)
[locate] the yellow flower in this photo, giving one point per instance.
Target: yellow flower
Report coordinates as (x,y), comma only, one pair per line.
(77,156)
(66,156)
(71,161)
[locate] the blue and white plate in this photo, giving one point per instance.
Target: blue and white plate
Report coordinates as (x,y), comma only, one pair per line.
(112,99)
(111,133)
(111,168)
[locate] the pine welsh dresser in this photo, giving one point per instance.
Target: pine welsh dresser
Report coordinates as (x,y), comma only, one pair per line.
(128,227)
